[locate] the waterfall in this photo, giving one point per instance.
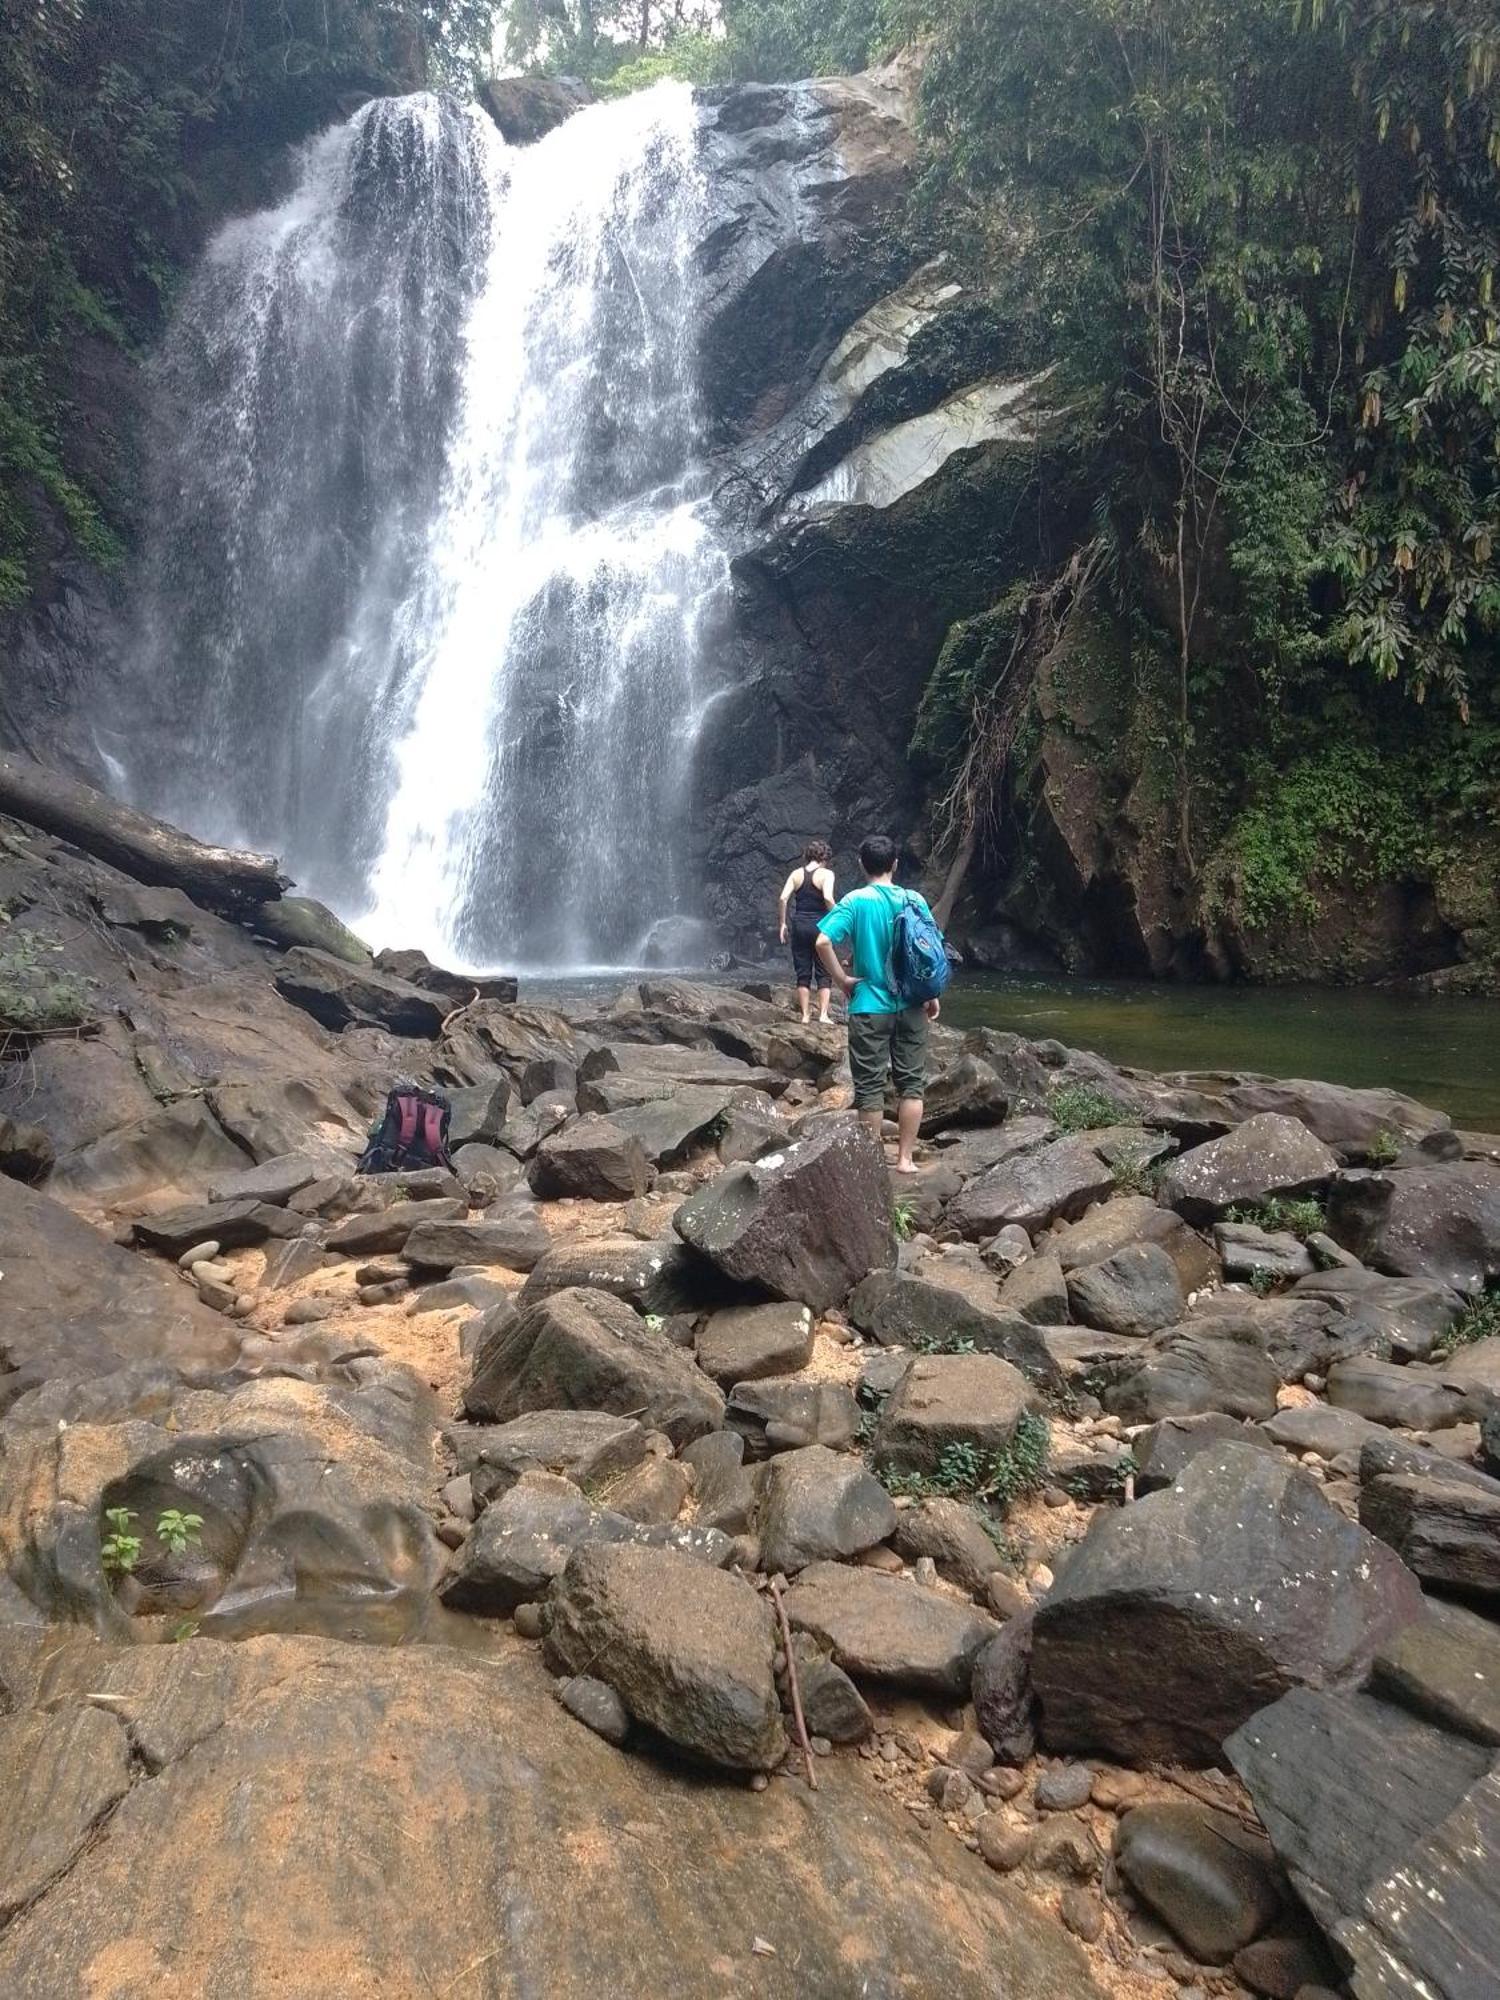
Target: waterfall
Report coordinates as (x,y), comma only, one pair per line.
(431,572)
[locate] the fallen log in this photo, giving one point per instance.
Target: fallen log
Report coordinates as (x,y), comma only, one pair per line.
(216,878)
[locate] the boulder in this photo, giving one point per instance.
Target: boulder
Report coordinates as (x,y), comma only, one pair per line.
(1178,1617)
(1267,1155)
(1405,1317)
(942,1400)
(583,1350)
(724,1491)
(656,1278)
(805,1224)
(1390,1831)
(901,1310)
(783,1412)
(1036,1290)
(1163,1449)
(966,1091)
(233,1225)
(1004,1705)
(277,1180)
(340,995)
(1056,1182)
(283,1766)
(1446,1668)
(587,1447)
(1189,1374)
(524,1539)
(515,1240)
(742,1343)
(885,1628)
(832,1705)
(671,1128)
(1445,1529)
(300,920)
(1319,1427)
(952,1536)
(1136,1218)
(1438,1222)
(1412,1398)
(590,1159)
(1135,1291)
(383,1233)
(1211,1879)
(1247,1252)
(478,1112)
(818,1505)
(688,1649)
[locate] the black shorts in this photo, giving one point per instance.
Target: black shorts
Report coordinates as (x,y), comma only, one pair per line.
(802,933)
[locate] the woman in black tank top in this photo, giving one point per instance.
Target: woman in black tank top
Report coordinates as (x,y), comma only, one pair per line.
(805,897)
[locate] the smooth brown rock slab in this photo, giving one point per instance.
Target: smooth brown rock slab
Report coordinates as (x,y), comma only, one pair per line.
(384,1823)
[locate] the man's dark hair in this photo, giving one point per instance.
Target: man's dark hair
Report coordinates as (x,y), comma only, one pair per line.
(877,854)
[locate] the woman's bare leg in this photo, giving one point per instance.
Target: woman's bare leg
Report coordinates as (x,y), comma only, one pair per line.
(804,1001)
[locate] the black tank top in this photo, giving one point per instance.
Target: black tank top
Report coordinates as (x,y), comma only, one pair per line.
(808,900)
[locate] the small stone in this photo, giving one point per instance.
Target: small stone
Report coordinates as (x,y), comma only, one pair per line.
(307,1312)
(1053,1496)
(1082,1913)
(1041,1578)
(197,1253)
(1006,1597)
(969,1752)
(596,1705)
(1003,1782)
(376,1295)
(1064,1788)
(452,1532)
(759,1781)
(883,1559)
(924,1569)
(1003,1847)
(1064,1846)
(1116,1791)
(820,1746)
(890,1751)
(528,1621)
(458,1497)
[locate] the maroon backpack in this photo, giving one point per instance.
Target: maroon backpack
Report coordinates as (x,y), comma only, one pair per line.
(412,1133)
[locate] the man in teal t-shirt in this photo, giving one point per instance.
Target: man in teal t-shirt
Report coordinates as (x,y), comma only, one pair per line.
(885,1038)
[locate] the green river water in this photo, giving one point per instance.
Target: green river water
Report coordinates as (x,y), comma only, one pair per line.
(1444,1052)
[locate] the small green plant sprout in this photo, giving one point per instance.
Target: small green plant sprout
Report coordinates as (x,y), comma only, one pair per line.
(903,1218)
(654,1321)
(120,1550)
(1134,1173)
(1079,1107)
(1262,1282)
(176,1530)
(1384,1149)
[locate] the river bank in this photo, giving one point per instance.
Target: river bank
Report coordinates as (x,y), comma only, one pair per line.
(412,1552)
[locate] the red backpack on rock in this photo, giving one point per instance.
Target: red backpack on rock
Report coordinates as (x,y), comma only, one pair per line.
(412,1133)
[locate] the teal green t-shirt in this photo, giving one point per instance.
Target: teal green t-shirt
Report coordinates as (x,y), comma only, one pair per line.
(866,919)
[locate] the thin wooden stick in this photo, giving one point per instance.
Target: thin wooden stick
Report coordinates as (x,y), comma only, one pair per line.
(794,1684)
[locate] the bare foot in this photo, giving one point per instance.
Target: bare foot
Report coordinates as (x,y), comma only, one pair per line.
(905,1167)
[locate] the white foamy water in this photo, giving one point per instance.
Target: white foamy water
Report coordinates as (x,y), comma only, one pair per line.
(432,569)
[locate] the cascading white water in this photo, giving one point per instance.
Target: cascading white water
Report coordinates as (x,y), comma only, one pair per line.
(432,567)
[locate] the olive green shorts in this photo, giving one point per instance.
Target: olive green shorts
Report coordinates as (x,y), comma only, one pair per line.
(887,1045)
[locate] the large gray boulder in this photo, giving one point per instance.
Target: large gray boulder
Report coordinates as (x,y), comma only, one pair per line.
(1178,1617)
(1209,1877)
(945,1400)
(1056,1182)
(1401,1317)
(740,1343)
(1267,1155)
(1135,1291)
(1443,1520)
(804,1224)
(885,1628)
(583,1350)
(340,995)
(688,1649)
(1412,1398)
(1004,1705)
(512,1239)
(1439,1222)
(1136,1218)
(818,1505)
(1190,1373)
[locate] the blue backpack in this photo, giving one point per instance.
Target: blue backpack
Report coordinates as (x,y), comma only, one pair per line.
(919,959)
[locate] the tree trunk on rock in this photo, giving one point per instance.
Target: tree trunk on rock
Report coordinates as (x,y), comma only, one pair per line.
(218,878)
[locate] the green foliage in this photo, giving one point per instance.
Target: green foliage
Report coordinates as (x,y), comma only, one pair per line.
(1133,1173)
(1384,1149)
(780,40)
(1304,1217)
(902,1219)
(1479,1320)
(119,1550)
(177,1531)
(1345,813)
(1080,1107)
(964,1471)
(1262,1282)
(36,996)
